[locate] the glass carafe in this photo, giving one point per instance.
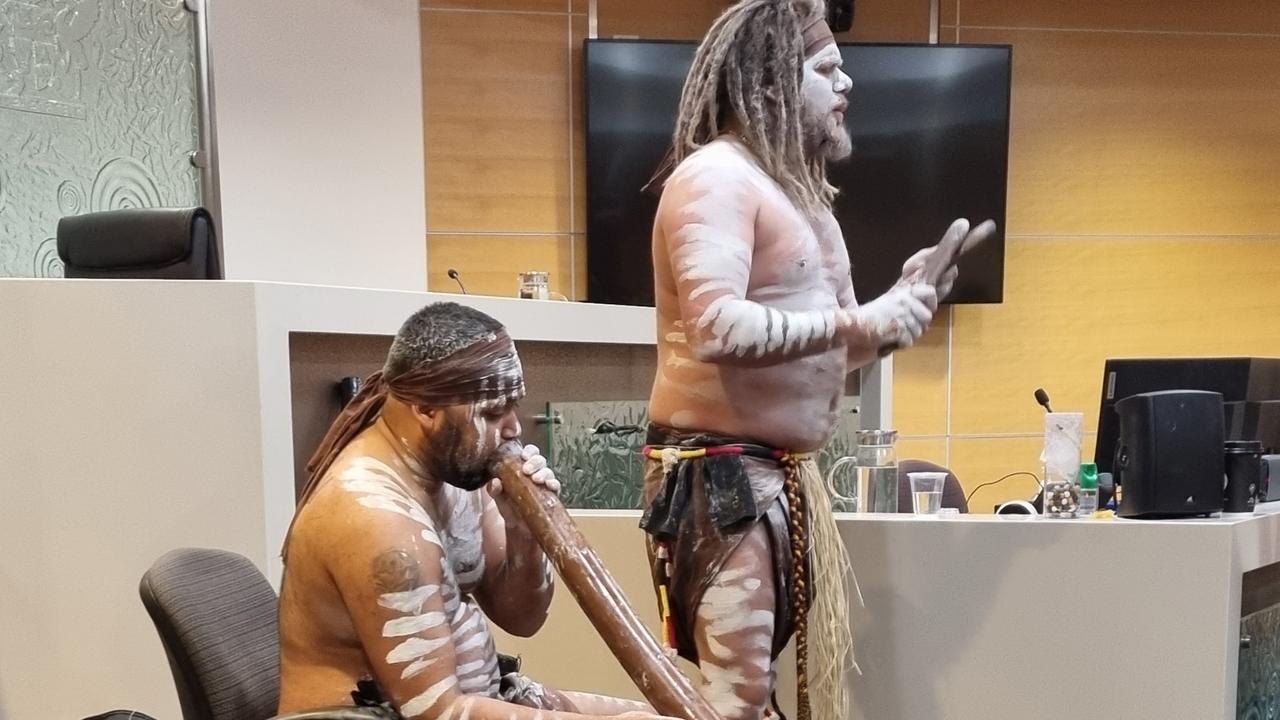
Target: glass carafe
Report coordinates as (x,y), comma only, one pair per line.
(875,487)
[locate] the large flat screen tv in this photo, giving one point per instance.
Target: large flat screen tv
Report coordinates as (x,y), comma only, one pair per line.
(930,128)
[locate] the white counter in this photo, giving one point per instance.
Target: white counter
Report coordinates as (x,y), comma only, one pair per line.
(981,616)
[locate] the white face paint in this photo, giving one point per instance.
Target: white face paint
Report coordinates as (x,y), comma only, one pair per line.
(824,89)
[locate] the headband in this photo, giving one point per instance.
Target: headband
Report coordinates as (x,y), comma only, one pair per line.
(816,35)
(484,371)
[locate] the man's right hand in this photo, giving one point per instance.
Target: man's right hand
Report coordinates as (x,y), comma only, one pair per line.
(896,318)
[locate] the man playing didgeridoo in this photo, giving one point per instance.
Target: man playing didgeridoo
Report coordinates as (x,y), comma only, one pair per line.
(404,547)
(757,328)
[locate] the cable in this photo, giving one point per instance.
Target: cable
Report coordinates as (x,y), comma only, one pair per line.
(996,482)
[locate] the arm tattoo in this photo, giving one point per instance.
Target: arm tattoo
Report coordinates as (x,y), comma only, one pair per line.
(395,571)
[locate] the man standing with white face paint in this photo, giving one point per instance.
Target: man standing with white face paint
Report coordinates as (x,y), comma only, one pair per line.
(402,537)
(758,327)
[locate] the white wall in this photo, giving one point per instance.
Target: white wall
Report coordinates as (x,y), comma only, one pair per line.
(318,115)
(129,427)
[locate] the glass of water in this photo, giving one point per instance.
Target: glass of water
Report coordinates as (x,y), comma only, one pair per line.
(926,491)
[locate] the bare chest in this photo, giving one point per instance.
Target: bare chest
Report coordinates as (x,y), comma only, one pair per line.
(796,254)
(462,539)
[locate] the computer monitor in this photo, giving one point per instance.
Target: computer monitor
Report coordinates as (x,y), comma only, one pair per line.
(1250,389)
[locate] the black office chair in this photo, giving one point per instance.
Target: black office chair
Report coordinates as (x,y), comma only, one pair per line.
(216,616)
(140,243)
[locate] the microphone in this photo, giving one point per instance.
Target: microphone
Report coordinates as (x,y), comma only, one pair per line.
(1042,398)
(453,275)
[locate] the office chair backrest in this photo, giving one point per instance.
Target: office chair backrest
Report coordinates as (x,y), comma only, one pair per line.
(952,490)
(216,616)
(140,243)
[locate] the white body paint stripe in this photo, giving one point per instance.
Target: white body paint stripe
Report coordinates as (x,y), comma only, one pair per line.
(428,698)
(415,649)
(416,667)
(409,601)
(412,625)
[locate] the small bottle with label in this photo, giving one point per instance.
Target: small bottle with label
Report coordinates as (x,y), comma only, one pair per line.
(1088,503)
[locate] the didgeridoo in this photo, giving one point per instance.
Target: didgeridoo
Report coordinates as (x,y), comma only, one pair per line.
(598,594)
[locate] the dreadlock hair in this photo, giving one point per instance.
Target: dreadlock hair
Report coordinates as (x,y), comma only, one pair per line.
(749,67)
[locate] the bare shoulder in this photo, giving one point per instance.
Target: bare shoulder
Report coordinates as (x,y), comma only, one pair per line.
(360,509)
(721,163)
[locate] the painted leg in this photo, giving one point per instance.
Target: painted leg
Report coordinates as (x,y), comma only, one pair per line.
(734,631)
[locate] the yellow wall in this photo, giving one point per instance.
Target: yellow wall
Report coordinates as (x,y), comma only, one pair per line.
(1144,191)
(1144,218)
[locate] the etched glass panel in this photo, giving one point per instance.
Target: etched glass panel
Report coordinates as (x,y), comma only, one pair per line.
(604,471)
(598,471)
(1258,678)
(97,112)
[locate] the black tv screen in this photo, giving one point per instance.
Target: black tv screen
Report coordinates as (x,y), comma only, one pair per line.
(930,128)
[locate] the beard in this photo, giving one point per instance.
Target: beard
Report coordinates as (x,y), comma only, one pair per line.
(824,138)
(457,459)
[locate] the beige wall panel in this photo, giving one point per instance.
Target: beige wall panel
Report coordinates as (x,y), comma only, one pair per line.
(548,6)
(978,460)
(1070,304)
(920,382)
(497,114)
(489,264)
(1119,134)
(1233,16)
(658,19)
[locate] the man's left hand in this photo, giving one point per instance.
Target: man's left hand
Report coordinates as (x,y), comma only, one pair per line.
(535,466)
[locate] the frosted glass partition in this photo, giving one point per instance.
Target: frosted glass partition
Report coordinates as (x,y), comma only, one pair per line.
(98,111)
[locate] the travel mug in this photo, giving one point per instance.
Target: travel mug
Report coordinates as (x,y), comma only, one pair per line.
(1244,475)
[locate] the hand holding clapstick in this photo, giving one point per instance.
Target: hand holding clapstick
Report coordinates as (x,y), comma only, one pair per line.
(598,594)
(931,266)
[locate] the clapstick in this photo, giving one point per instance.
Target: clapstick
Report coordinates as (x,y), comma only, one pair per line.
(598,594)
(953,244)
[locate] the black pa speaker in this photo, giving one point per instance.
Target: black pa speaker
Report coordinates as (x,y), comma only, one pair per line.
(1169,456)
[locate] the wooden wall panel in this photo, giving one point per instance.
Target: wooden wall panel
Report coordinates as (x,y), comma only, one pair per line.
(920,382)
(1142,134)
(578,219)
(1070,304)
(543,6)
(978,460)
(657,19)
(1228,16)
(889,21)
(497,117)
(488,264)
(874,20)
